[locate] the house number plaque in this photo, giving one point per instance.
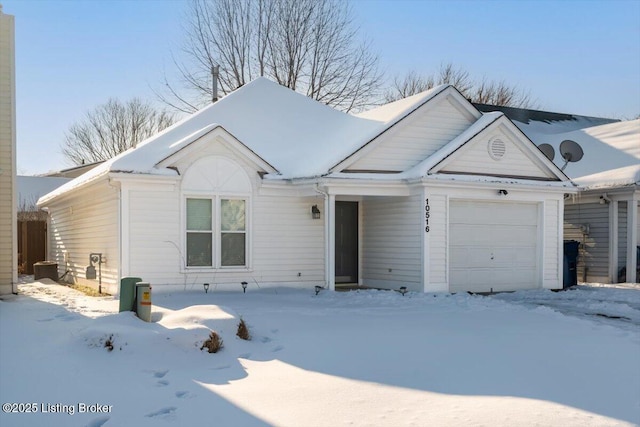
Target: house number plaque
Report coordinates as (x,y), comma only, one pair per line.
(426,215)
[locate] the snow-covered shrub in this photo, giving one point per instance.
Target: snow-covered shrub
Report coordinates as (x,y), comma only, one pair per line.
(213,344)
(243,330)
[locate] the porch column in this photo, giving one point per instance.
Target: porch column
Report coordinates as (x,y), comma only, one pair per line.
(632,238)
(330,226)
(613,241)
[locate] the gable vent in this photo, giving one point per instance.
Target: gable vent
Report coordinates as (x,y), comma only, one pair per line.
(497,148)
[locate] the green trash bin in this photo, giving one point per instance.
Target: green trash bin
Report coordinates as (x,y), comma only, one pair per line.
(128,293)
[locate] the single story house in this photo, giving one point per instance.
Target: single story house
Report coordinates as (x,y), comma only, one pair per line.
(604,217)
(271,187)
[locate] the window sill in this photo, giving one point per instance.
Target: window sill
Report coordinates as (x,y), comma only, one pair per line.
(196,270)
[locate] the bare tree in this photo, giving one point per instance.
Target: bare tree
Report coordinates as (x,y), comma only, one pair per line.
(112,128)
(482,92)
(28,209)
(311,46)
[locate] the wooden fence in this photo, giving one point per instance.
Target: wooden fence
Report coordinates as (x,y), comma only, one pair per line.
(32,240)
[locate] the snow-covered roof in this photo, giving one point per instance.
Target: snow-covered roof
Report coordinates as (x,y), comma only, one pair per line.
(621,177)
(298,136)
(611,147)
(421,170)
(547,121)
(395,111)
(606,148)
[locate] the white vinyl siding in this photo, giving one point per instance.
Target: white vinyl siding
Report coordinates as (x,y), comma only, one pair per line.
(391,247)
(415,138)
(83,224)
(288,244)
(493,246)
(552,235)
(638,227)
(154,246)
(622,237)
(437,241)
(475,158)
(8,261)
(593,260)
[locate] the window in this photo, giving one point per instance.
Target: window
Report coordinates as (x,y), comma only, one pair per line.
(199,233)
(232,233)
(208,234)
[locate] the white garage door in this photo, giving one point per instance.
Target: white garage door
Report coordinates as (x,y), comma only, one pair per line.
(493,245)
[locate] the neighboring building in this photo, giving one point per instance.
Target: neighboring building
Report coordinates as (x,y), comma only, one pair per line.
(604,217)
(270,186)
(32,222)
(73,172)
(8,224)
(31,188)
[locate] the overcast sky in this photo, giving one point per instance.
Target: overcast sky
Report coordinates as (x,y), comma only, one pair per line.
(580,57)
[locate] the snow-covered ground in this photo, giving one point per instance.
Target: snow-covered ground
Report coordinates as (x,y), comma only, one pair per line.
(366,358)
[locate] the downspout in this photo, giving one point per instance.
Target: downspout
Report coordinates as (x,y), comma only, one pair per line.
(118,189)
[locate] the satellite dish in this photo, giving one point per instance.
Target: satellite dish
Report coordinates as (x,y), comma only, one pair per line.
(570,152)
(548,151)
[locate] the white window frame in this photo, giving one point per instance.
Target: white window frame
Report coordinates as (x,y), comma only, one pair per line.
(211,232)
(216,247)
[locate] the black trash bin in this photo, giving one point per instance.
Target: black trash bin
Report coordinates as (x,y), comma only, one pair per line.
(570,276)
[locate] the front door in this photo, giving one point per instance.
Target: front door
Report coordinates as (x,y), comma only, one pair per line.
(346,242)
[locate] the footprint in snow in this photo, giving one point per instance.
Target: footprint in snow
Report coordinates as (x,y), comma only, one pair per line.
(218,368)
(44,320)
(168,410)
(245,356)
(163,383)
(277,348)
(160,374)
(182,394)
(98,422)
(275,331)
(265,340)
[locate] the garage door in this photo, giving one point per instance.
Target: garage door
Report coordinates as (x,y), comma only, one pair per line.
(493,245)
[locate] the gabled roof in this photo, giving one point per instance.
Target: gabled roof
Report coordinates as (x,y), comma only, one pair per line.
(395,112)
(298,136)
(291,135)
(429,167)
(424,167)
(611,147)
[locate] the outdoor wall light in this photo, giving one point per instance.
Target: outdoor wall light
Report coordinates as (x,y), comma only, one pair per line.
(318,289)
(244,287)
(403,290)
(503,192)
(315,212)
(206,287)
(604,199)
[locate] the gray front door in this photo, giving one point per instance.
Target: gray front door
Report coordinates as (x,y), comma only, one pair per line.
(346,242)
